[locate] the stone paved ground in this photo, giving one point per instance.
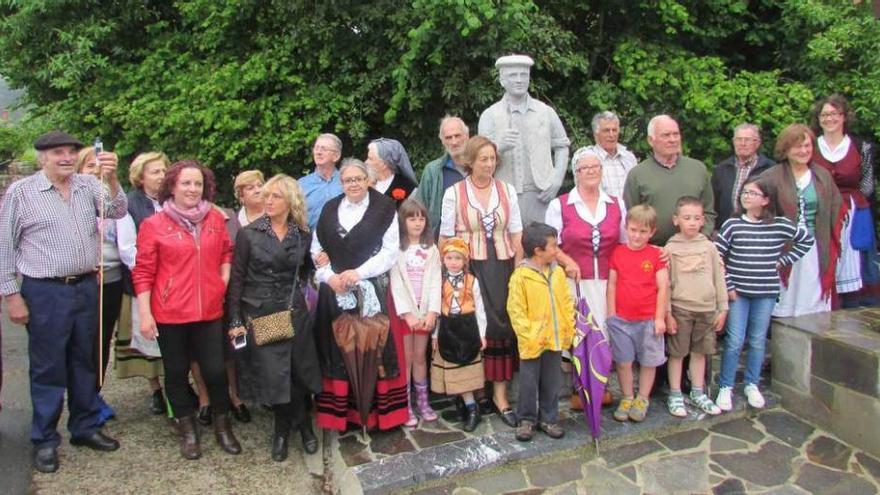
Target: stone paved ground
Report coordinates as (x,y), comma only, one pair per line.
(772,453)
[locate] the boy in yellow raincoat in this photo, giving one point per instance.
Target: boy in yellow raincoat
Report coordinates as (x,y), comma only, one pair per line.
(542,314)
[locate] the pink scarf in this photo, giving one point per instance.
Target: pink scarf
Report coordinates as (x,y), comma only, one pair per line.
(190,219)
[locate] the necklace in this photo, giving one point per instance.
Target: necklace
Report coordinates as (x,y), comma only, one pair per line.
(477,186)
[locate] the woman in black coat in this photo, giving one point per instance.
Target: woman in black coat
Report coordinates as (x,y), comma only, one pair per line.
(269,254)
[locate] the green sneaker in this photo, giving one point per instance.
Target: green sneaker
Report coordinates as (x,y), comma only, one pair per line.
(622,412)
(639,410)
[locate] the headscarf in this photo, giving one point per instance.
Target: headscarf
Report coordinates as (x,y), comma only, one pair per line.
(455,245)
(394,154)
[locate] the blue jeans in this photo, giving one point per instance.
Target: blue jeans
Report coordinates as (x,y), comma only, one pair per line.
(748,316)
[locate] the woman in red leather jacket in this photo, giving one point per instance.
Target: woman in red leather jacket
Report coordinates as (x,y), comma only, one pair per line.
(184,256)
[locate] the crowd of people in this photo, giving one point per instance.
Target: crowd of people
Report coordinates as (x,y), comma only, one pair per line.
(450,284)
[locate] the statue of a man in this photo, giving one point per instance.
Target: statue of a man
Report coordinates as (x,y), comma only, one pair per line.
(532,144)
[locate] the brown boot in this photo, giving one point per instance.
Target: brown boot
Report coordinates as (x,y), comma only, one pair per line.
(189,437)
(576,402)
(607,398)
(223,433)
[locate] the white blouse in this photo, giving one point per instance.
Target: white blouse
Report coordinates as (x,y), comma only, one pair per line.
(350,214)
(447,213)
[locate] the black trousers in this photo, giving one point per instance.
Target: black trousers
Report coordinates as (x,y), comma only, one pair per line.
(294,414)
(112,307)
(200,341)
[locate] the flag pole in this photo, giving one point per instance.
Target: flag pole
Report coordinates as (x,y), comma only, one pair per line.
(99,147)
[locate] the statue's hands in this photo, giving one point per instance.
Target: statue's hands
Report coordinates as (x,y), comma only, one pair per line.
(509,140)
(549,194)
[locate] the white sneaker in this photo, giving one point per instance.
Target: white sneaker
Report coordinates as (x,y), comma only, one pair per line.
(724,401)
(754,396)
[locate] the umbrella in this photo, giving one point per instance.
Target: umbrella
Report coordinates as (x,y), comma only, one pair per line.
(591,360)
(361,341)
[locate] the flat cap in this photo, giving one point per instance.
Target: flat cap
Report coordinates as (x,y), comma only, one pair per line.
(514,60)
(54,139)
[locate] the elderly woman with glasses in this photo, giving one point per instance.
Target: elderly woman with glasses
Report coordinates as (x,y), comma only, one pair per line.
(358,233)
(391,168)
(590,224)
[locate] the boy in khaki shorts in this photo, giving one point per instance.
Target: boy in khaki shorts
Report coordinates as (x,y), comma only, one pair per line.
(698,298)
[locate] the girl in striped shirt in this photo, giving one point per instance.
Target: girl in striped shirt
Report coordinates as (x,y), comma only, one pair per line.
(755,246)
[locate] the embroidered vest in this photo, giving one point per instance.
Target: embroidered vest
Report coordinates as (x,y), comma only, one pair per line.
(847,174)
(590,247)
(469,225)
(465,295)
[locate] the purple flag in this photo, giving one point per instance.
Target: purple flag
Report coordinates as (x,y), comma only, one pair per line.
(591,363)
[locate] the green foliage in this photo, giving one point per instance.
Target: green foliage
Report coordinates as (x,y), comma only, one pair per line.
(249,83)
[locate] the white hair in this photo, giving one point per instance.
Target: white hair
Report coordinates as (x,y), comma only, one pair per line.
(451,118)
(747,126)
(337,143)
(356,163)
(606,115)
(653,122)
(582,153)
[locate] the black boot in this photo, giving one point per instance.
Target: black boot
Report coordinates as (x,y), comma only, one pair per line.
(473,418)
(279,446)
(310,441)
(157,403)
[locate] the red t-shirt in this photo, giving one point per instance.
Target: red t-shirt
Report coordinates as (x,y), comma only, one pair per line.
(636,295)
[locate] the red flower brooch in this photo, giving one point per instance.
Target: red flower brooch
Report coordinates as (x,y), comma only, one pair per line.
(398,194)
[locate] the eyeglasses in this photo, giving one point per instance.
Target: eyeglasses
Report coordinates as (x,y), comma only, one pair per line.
(324,149)
(590,168)
(828,115)
(351,181)
(744,139)
(751,194)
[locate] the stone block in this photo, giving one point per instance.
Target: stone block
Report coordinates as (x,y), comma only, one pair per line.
(822,391)
(803,405)
(854,368)
(817,479)
(685,473)
(791,349)
(855,418)
(500,482)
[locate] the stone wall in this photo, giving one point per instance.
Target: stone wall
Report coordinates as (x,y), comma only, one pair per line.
(825,367)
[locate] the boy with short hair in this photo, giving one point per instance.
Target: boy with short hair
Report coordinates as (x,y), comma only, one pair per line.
(698,301)
(636,321)
(542,315)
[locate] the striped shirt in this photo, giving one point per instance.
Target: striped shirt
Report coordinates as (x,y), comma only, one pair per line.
(751,250)
(41,235)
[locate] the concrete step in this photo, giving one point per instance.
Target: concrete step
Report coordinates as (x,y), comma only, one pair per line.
(411,460)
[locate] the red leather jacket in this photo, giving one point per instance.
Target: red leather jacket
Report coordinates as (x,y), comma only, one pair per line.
(182,275)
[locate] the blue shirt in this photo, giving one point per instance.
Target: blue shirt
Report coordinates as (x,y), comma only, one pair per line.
(318,191)
(451,175)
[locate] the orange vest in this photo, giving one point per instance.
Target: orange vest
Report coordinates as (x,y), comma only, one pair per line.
(465,296)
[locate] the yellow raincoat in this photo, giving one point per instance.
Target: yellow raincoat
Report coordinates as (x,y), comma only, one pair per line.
(541,310)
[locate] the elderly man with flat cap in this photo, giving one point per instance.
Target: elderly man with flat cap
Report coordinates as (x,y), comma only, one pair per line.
(532,144)
(49,236)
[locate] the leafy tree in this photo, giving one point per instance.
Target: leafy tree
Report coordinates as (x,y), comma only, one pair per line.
(249,83)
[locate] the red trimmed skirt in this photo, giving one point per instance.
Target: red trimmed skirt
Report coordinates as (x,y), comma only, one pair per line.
(336,407)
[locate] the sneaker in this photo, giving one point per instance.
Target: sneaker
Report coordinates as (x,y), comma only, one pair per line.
(639,410)
(622,412)
(675,404)
(754,396)
(525,431)
(724,401)
(552,430)
(705,404)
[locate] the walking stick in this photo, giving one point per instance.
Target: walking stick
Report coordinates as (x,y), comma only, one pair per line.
(99,147)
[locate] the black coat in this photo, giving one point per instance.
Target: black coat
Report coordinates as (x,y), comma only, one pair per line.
(723,180)
(400,188)
(263,276)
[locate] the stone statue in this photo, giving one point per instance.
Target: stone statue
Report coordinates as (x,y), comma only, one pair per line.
(532,144)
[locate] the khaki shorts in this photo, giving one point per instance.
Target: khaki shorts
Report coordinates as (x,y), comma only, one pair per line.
(695,333)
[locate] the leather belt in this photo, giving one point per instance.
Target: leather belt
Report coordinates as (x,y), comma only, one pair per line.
(70,279)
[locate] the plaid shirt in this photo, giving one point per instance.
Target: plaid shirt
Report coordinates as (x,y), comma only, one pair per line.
(41,235)
(743,169)
(614,168)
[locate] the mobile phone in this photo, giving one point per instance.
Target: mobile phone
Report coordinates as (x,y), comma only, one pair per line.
(240,341)
(99,146)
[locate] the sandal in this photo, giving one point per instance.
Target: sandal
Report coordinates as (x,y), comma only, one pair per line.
(675,404)
(705,404)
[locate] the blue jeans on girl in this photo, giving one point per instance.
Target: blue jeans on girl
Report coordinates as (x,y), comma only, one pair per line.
(748,317)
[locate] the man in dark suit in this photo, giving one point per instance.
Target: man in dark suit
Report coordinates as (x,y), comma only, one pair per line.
(729,176)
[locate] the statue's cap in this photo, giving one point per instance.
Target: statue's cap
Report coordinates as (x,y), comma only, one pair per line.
(514,61)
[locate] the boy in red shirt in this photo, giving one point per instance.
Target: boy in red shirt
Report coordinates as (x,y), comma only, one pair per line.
(636,320)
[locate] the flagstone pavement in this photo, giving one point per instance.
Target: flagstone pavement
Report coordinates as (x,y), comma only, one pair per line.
(770,453)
